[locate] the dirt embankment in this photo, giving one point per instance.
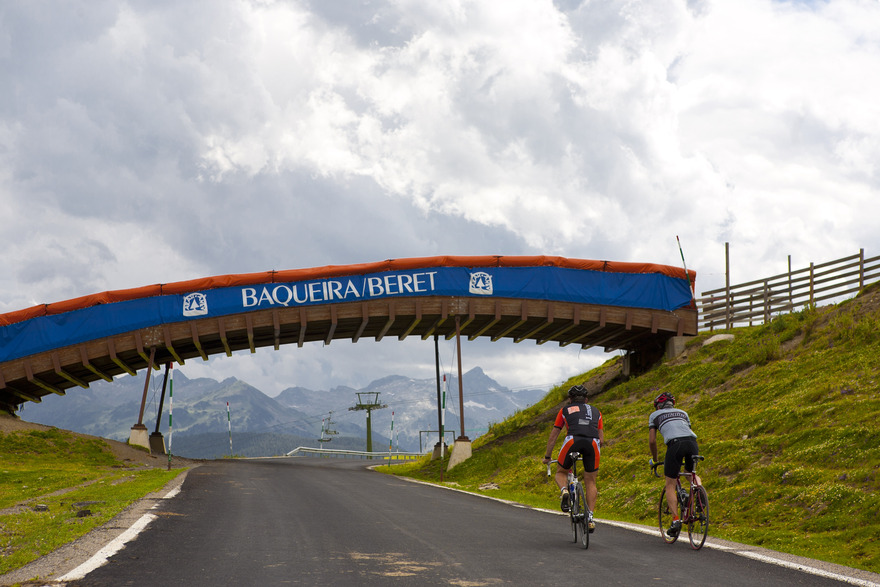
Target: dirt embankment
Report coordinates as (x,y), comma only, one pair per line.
(129,455)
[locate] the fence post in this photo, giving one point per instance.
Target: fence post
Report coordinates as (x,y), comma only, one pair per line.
(812,277)
(751,307)
(861,269)
(767,309)
(727,285)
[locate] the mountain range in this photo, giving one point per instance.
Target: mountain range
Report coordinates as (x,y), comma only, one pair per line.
(255,424)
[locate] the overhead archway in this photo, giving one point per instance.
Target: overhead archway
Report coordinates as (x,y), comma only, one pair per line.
(628,306)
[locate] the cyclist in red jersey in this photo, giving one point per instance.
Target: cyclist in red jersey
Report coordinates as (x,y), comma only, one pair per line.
(585,434)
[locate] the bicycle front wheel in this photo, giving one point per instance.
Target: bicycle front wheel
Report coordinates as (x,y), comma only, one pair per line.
(582,516)
(698,527)
(573,510)
(665,518)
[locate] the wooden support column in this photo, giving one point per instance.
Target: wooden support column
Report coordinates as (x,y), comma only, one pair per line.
(139,435)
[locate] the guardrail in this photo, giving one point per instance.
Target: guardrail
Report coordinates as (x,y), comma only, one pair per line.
(388,455)
(758,301)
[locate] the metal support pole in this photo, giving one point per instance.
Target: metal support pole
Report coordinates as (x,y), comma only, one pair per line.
(460,383)
(439,406)
(162,398)
(369,432)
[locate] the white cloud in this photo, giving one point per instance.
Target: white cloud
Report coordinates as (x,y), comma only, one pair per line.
(154,143)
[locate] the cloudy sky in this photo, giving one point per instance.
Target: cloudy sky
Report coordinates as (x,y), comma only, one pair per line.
(155,141)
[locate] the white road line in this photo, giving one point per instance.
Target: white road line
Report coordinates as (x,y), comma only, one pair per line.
(101,557)
(653,531)
(806,569)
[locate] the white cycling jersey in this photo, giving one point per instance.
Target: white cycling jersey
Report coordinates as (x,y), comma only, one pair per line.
(672,423)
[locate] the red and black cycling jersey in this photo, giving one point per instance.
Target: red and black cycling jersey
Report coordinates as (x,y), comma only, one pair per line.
(581,420)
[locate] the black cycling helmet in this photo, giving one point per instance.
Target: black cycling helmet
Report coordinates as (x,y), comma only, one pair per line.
(577,391)
(663,398)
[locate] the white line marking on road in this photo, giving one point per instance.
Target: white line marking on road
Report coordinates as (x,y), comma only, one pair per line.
(100,558)
(709,543)
(811,570)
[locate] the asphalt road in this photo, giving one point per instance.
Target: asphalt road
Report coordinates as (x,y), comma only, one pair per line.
(329,521)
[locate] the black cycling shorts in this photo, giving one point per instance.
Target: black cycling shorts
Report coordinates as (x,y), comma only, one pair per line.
(678,450)
(587,446)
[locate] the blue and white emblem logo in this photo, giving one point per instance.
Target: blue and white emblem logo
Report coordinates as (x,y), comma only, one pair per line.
(195,304)
(481,284)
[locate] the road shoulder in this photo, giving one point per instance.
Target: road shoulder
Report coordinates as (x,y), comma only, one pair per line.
(47,569)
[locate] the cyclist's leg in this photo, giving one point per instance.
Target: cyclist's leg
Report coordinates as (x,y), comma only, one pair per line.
(563,463)
(590,489)
(672,496)
(671,467)
(592,453)
(689,448)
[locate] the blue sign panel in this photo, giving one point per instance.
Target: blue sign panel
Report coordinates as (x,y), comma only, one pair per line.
(654,291)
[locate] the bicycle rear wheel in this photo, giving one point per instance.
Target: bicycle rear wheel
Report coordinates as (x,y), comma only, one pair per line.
(582,516)
(665,518)
(698,527)
(573,510)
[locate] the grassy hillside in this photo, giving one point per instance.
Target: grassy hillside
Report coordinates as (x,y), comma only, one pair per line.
(49,477)
(788,417)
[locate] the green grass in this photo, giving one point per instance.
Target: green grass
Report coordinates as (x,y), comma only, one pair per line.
(60,470)
(786,415)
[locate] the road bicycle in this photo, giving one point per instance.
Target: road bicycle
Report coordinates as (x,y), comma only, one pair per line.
(693,507)
(577,504)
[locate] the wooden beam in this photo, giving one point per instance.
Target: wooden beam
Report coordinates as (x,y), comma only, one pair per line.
(575,321)
(111,346)
(460,326)
(415,322)
(139,343)
(196,341)
(276,321)
(56,362)
(39,383)
(249,323)
(168,345)
(19,393)
(333,324)
(303,323)
(444,309)
(85,361)
(621,344)
(602,340)
(221,328)
(540,327)
(524,316)
(391,309)
(589,332)
(491,323)
(364,321)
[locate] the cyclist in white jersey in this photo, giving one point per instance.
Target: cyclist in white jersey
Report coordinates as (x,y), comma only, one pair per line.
(681,446)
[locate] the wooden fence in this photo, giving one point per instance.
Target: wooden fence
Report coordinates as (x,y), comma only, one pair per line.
(756,302)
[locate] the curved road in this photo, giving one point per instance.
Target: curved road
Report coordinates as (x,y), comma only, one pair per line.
(328,521)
